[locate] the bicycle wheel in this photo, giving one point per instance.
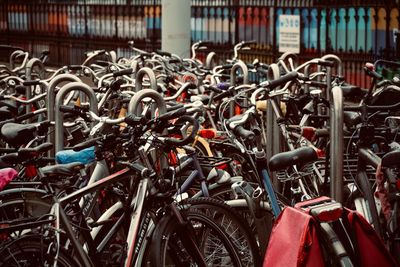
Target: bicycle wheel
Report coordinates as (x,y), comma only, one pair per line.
(168,249)
(31,251)
(237,229)
(23,205)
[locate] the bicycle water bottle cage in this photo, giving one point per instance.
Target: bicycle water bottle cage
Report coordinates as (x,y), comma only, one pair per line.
(324,209)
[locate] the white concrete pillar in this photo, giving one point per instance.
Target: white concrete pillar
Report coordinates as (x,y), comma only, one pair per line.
(175,27)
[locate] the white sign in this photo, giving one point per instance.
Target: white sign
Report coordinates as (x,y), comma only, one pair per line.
(289,33)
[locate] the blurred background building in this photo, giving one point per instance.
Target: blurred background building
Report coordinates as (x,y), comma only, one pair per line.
(357,31)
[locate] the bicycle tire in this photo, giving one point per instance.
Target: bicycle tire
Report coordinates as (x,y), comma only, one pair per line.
(368,195)
(23,205)
(166,246)
(29,251)
(232,222)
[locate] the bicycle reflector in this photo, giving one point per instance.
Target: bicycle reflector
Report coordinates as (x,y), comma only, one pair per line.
(207,133)
(327,212)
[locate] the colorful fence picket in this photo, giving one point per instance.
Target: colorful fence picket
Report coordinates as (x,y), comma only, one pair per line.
(356,31)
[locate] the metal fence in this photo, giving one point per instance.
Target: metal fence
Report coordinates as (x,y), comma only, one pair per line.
(357,31)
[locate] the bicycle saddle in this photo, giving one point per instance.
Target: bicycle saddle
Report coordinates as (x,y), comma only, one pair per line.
(18,134)
(69,169)
(300,155)
(351,90)
(5,114)
(391,159)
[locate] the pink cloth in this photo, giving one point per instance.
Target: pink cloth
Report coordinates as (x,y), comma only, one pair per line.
(6,176)
(382,193)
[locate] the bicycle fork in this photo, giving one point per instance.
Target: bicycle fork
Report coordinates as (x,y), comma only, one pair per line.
(253,198)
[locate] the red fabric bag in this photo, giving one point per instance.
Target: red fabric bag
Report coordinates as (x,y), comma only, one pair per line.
(294,241)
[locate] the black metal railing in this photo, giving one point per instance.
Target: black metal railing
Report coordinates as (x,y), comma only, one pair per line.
(358,31)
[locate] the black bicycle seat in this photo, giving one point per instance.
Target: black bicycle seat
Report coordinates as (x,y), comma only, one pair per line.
(69,169)
(18,134)
(300,155)
(391,159)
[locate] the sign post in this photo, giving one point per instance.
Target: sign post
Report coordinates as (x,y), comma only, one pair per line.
(289,34)
(175,23)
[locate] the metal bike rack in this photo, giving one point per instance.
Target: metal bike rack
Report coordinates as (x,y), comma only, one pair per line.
(273,133)
(140,76)
(14,55)
(135,108)
(28,74)
(238,65)
(338,61)
(134,104)
(51,98)
(336,144)
(211,60)
(59,122)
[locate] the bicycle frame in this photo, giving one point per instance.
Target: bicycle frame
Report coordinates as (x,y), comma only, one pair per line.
(133,229)
(367,158)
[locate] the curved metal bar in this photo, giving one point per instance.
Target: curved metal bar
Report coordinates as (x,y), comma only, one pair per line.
(272,130)
(51,99)
(28,74)
(16,54)
(140,76)
(51,91)
(338,61)
(240,65)
(211,57)
(134,105)
(307,75)
(336,144)
(273,72)
(59,123)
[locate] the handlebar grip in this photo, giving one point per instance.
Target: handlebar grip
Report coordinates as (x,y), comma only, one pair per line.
(142,170)
(24,117)
(263,71)
(317,84)
(75,67)
(205,43)
(326,63)
(68,109)
(145,54)
(373,74)
(85,144)
(123,72)
(164,53)
(134,120)
(227,66)
(243,133)
(30,83)
(223,94)
(174,107)
(172,114)
(322,132)
(213,88)
(282,80)
(173,61)
(249,42)
(188,139)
